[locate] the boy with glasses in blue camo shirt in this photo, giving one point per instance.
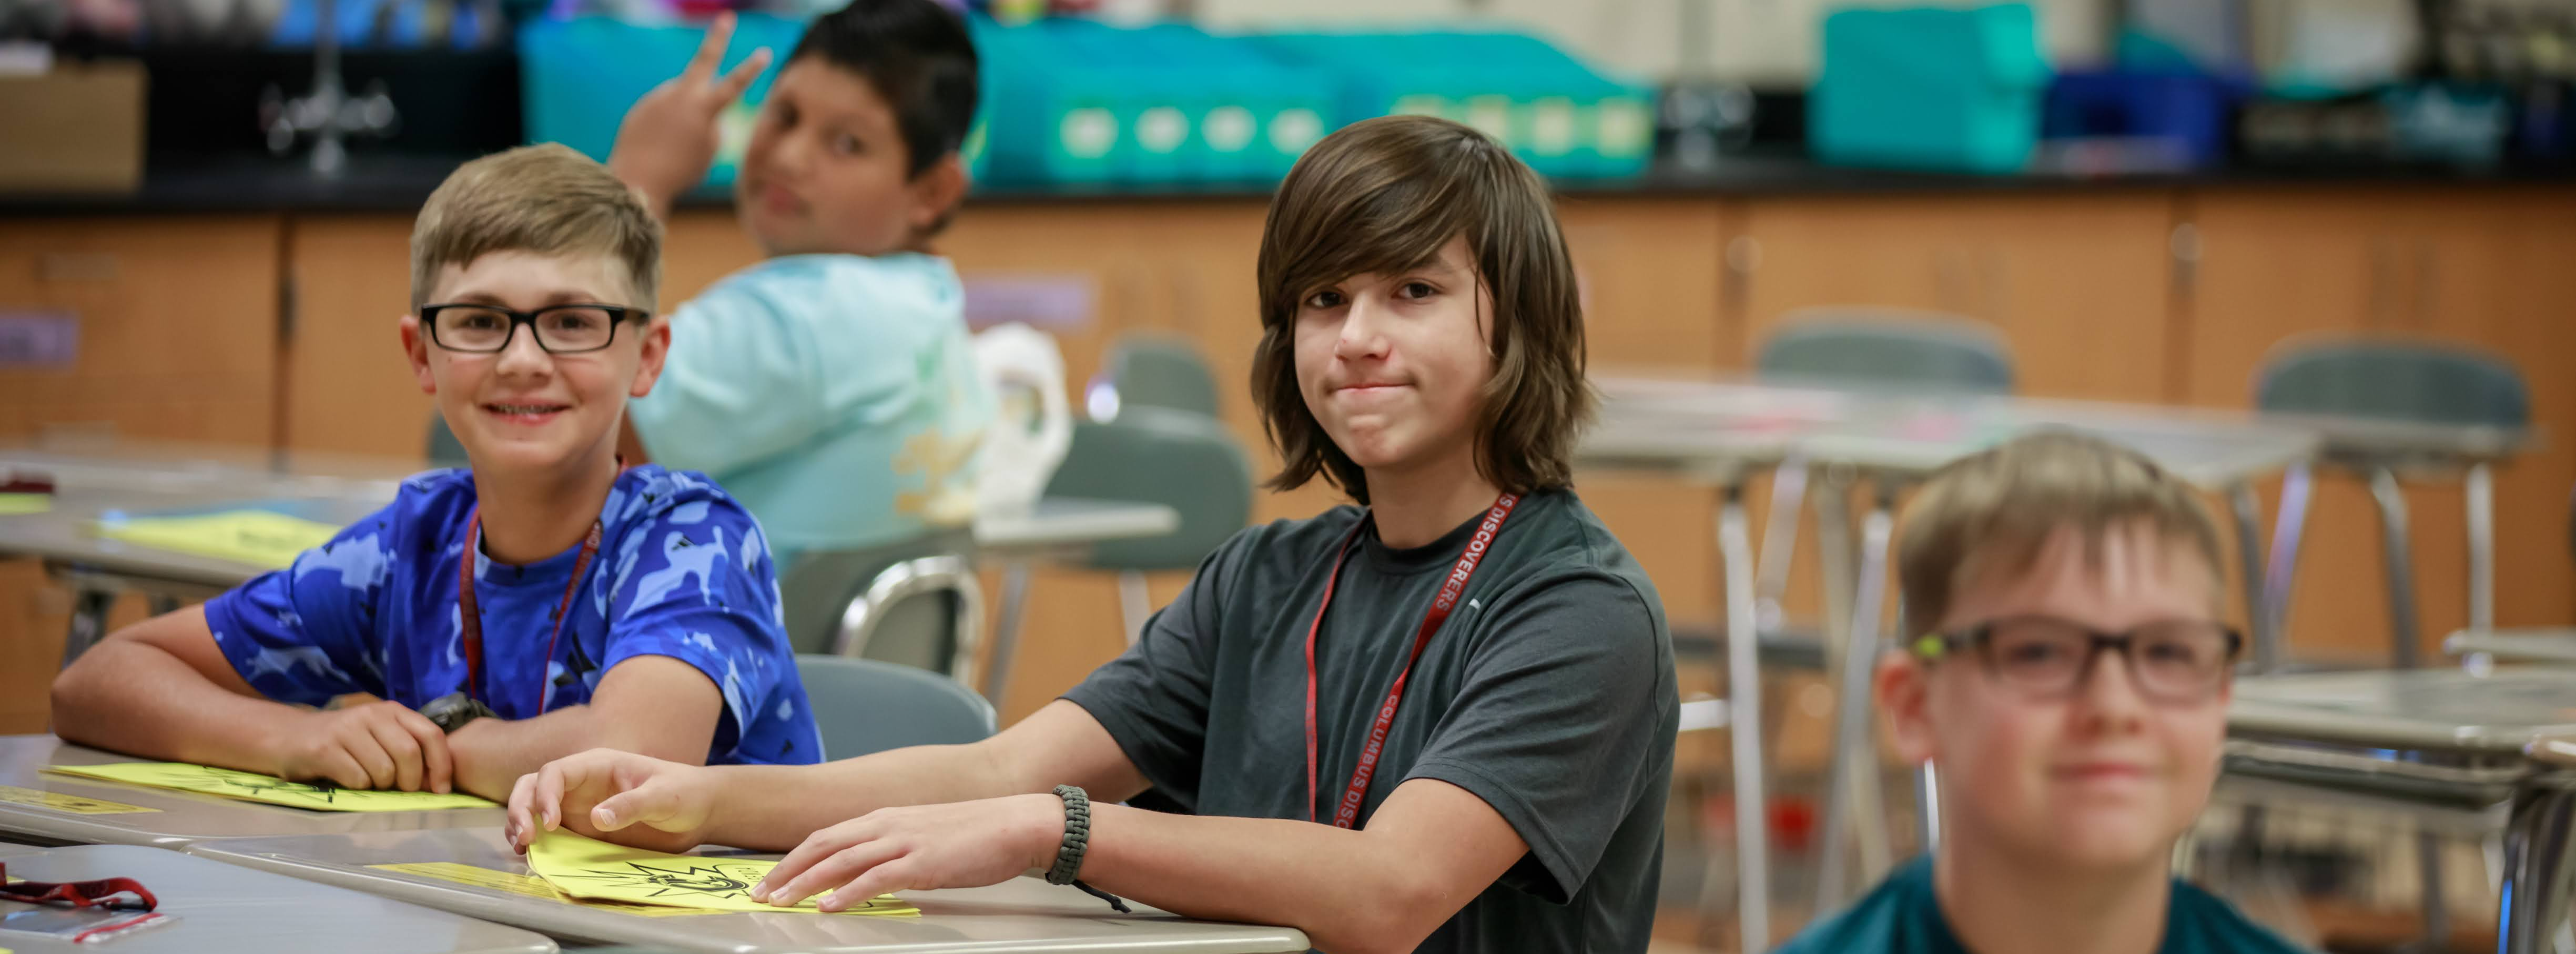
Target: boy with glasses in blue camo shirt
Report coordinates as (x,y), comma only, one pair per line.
(2071,689)
(543,602)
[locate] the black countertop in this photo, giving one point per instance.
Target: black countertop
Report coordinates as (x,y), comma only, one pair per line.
(398,184)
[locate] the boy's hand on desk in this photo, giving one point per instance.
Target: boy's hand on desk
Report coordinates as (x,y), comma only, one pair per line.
(614,796)
(378,745)
(919,848)
(668,139)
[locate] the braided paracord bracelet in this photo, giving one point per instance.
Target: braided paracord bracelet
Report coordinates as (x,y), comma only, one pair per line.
(1077,840)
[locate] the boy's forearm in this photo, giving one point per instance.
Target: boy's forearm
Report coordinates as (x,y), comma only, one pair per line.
(491,754)
(1342,887)
(132,697)
(773,807)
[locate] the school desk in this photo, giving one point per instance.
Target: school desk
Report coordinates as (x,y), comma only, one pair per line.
(2448,741)
(2539,644)
(221,909)
(145,478)
(49,807)
(1023,916)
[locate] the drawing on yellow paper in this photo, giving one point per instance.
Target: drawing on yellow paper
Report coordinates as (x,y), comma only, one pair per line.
(590,869)
(256,537)
(529,886)
(269,789)
(72,804)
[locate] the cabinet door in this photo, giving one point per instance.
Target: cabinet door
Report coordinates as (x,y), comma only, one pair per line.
(349,388)
(2078,284)
(175,323)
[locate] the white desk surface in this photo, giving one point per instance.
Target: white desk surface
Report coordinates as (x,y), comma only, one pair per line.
(2440,710)
(1022,916)
(2540,644)
(222,909)
(1069,521)
(179,817)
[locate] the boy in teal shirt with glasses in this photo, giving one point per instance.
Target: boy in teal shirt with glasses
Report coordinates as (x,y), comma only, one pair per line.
(2071,689)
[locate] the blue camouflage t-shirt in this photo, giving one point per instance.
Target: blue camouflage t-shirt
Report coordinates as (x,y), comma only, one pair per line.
(682,571)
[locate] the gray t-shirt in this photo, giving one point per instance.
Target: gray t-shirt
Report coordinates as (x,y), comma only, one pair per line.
(1548,693)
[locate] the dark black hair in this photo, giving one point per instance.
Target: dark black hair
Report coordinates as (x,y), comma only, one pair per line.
(918,56)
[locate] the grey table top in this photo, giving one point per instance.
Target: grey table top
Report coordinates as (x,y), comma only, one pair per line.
(101,481)
(176,818)
(2422,710)
(222,909)
(1682,422)
(1022,916)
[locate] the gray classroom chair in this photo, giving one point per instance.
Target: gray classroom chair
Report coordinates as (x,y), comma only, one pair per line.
(916,603)
(1182,460)
(1886,349)
(2402,381)
(1153,370)
(1852,349)
(862,706)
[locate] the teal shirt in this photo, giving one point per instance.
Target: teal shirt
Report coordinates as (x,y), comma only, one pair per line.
(1901,917)
(835,396)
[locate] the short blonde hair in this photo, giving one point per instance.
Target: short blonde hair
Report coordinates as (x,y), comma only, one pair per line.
(1997,509)
(545,199)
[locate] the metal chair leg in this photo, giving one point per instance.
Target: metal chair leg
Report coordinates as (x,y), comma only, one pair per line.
(1135,603)
(1744,724)
(2249,556)
(1006,629)
(2539,849)
(2405,650)
(1854,793)
(89,622)
(2282,569)
(2480,487)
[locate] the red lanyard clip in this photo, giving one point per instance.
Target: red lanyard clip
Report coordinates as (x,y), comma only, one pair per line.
(114,894)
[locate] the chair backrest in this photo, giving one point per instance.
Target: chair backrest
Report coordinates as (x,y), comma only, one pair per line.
(1151,370)
(1179,459)
(863,706)
(2400,380)
(816,588)
(1887,349)
(443,448)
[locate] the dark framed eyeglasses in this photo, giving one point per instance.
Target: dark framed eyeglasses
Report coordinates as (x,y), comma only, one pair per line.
(2181,660)
(560,329)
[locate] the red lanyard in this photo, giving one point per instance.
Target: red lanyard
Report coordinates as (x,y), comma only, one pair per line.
(470,619)
(1346,814)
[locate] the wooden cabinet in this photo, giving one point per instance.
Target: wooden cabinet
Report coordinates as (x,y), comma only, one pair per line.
(2478,267)
(176,324)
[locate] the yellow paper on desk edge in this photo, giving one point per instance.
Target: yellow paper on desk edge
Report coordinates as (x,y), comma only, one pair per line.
(529,886)
(14,504)
(256,537)
(267,789)
(596,870)
(73,804)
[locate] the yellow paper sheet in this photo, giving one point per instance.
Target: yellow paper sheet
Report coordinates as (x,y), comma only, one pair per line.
(586,868)
(531,886)
(25,503)
(256,537)
(251,786)
(73,804)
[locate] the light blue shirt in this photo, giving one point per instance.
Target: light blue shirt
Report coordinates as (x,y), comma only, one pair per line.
(836,396)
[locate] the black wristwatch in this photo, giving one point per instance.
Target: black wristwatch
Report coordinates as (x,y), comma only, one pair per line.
(452,711)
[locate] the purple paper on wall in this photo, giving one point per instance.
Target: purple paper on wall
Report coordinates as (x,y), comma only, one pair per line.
(38,339)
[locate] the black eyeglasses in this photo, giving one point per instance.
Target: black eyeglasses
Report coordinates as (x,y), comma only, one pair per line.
(560,329)
(2181,660)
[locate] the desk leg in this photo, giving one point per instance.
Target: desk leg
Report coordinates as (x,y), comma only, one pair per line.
(1744,724)
(2249,557)
(1006,630)
(2480,489)
(2283,567)
(2538,852)
(89,621)
(1854,785)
